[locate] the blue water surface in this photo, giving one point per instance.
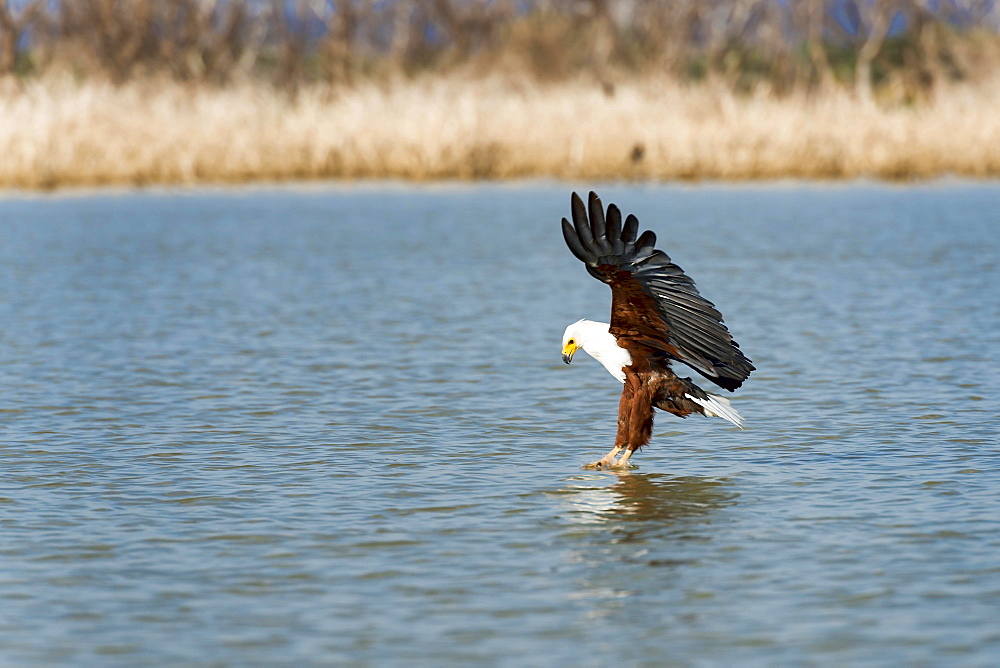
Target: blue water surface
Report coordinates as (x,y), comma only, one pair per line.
(330,424)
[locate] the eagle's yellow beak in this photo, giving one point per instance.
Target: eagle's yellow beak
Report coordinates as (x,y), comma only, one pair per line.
(568,350)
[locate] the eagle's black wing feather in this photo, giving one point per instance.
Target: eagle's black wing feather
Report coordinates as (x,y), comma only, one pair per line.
(653,302)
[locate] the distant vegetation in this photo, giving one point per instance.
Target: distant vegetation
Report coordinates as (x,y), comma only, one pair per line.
(167,91)
(901,47)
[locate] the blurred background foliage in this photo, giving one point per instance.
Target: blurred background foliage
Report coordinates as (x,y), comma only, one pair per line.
(898,50)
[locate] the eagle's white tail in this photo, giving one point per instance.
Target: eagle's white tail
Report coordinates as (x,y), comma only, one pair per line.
(717,406)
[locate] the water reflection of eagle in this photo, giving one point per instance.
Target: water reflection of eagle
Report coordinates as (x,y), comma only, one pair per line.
(657,316)
(653,498)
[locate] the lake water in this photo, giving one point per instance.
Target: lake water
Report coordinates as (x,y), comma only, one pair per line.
(314,424)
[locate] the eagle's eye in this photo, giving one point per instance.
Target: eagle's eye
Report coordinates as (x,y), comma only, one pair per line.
(572,342)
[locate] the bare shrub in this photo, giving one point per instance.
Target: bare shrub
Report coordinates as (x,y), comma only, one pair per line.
(865,46)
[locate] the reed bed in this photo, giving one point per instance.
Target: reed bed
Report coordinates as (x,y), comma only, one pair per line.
(59,132)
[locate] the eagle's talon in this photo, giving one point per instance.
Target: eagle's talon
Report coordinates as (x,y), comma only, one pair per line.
(606,462)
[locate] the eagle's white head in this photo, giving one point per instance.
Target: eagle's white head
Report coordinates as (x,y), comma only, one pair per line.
(599,343)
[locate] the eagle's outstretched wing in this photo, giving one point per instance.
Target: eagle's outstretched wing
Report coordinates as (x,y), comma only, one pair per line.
(653,302)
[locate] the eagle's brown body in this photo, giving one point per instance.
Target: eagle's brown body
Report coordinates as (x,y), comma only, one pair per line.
(657,316)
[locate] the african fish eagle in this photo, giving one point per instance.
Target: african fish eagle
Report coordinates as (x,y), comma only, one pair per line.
(657,317)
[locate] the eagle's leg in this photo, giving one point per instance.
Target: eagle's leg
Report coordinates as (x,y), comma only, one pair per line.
(624,424)
(639,423)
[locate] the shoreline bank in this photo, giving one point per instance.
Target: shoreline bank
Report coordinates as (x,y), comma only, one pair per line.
(57,133)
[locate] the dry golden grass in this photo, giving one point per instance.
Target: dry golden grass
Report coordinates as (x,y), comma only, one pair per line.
(55,132)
